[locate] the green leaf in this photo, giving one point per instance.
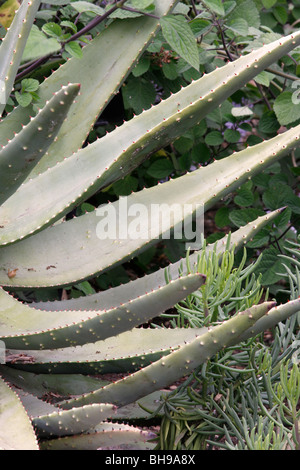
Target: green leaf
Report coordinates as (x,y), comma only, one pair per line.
(38,45)
(222,217)
(170,71)
(269,3)
(285,110)
(232,136)
(268,123)
(125,186)
(141,4)
(280,14)
(277,196)
(247,11)
(29,84)
(260,239)
(214,138)
(215,5)
(24,99)
(244,198)
(52,29)
(180,37)
(160,169)
(138,94)
(141,67)
(242,216)
(270,267)
(74,49)
(69,24)
(239,26)
(82,7)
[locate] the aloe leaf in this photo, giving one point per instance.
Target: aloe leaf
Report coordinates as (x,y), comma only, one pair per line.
(106,436)
(123,293)
(48,421)
(179,363)
(25,150)
(41,385)
(277,314)
(23,327)
(126,352)
(100,79)
(96,252)
(16,431)
(12,47)
(64,423)
(127,146)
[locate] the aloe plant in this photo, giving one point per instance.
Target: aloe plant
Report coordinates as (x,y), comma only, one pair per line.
(38,246)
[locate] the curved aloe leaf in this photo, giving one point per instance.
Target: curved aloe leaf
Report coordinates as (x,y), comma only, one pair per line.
(181,362)
(51,248)
(12,48)
(41,385)
(16,431)
(126,352)
(69,422)
(127,146)
(23,327)
(105,436)
(123,293)
(100,79)
(25,150)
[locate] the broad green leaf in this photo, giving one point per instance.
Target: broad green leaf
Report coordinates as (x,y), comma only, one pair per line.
(239,26)
(268,123)
(244,198)
(74,49)
(141,4)
(269,3)
(52,29)
(280,14)
(242,216)
(160,168)
(82,7)
(271,267)
(246,10)
(180,37)
(232,136)
(285,110)
(24,99)
(214,138)
(39,44)
(215,5)
(30,84)
(222,217)
(138,94)
(141,67)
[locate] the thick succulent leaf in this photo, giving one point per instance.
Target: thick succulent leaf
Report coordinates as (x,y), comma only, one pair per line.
(23,327)
(49,421)
(25,150)
(123,293)
(127,146)
(12,48)
(69,422)
(279,313)
(51,250)
(179,363)
(126,352)
(16,431)
(41,385)
(106,436)
(100,79)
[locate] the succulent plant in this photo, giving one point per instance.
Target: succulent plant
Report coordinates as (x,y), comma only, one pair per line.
(45,174)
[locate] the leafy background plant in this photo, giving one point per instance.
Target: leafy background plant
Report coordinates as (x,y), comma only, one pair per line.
(195,39)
